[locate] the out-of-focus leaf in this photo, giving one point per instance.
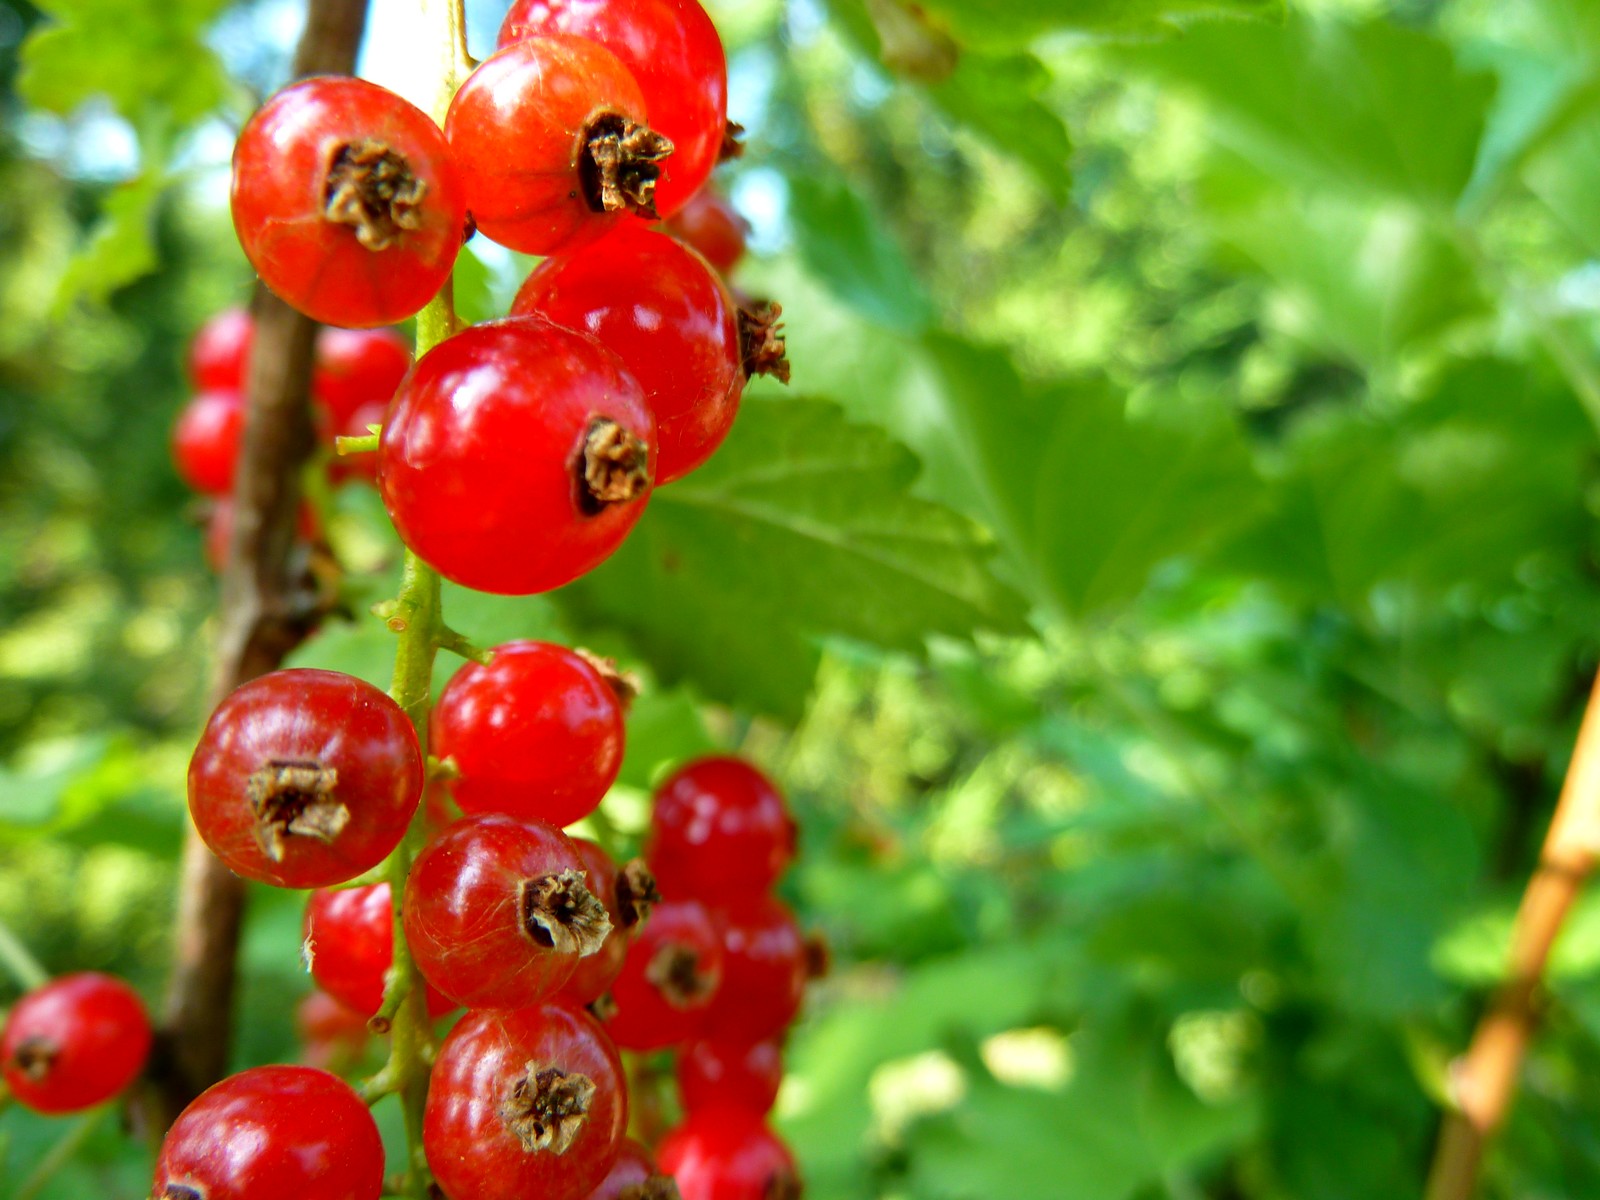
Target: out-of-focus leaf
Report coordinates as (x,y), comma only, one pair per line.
(985,23)
(802,526)
(121,245)
(1566,176)
(664,730)
(998,95)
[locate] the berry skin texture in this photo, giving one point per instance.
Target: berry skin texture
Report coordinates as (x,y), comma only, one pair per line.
(719,832)
(763,971)
(517,456)
(536,733)
(346,202)
(272,1132)
(74,1042)
(723,1074)
(711,225)
(349,942)
(497,912)
(669,978)
(205,441)
(550,139)
(726,1154)
(634,1177)
(531,1102)
(355,369)
(674,52)
(628,894)
(305,778)
(219,355)
(661,309)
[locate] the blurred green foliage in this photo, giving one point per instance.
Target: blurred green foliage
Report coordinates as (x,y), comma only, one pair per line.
(1167,595)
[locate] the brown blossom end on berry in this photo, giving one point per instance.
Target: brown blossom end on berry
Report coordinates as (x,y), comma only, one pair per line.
(294,799)
(373,190)
(761,341)
(637,893)
(546,1107)
(614,467)
(624,685)
(621,164)
(676,972)
(560,913)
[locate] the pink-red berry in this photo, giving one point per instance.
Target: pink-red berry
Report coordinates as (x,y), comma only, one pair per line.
(728,1154)
(669,978)
(349,945)
(74,1042)
(724,1074)
(719,832)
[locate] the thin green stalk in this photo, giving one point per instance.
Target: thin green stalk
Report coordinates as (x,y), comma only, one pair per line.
(19,963)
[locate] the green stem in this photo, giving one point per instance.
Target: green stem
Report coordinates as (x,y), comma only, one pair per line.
(65,1149)
(19,962)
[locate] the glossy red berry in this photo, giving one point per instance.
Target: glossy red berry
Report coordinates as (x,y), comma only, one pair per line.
(629,893)
(356,369)
(205,441)
(219,356)
(711,224)
(719,832)
(726,1074)
(305,778)
(727,1154)
(349,945)
(669,978)
(346,202)
(674,52)
(74,1042)
(550,138)
(634,1177)
(537,732)
(516,456)
(668,316)
(498,911)
(525,1103)
(272,1132)
(763,971)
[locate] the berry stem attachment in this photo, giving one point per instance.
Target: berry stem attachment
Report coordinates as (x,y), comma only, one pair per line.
(19,962)
(355,445)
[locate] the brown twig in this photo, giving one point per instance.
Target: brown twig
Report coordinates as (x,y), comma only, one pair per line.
(266,612)
(1484,1080)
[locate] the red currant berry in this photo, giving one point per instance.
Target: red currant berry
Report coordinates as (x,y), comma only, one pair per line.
(219,356)
(349,944)
(74,1042)
(628,895)
(205,441)
(272,1132)
(763,971)
(497,911)
(346,467)
(666,314)
(525,1103)
(305,778)
(711,224)
(536,733)
(516,456)
(634,1177)
(355,369)
(346,202)
(728,1154)
(550,140)
(674,52)
(669,978)
(720,1074)
(333,1033)
(720,831)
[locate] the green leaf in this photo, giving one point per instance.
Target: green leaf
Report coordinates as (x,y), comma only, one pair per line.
(988,23)
(999,97)
(121,246)
(802,526)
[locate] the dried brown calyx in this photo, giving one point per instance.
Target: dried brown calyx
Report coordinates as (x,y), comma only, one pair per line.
(623,684)
(560,912)
(546,1108)
(614,467)
(636,893)
(620,164)
(373,190)
(34,1056)
(785,1185)
(818,955)
(295,799)
(178,1191)
(678,975)
(732,142)
(657,1187)
(602,1008)
(761,340)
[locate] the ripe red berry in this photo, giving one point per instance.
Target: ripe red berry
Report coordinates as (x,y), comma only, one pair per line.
(349,945)
(272,1132)
(674,52)
(726,1074)
(634,1177)
(333,1034)
(74,1042)
(346,202)
(525,1103)
(719,832)
(355,369)
(516,456)
(205,441)
(668,316)
(536,733)
(498,913)
(669,978)
(711,224)
(628,894)
(763,971)
(549,136)
(727,1154)
(219,356)
(346,467)
(305,778)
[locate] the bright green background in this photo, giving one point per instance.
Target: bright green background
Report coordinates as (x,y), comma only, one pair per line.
(1166,592)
